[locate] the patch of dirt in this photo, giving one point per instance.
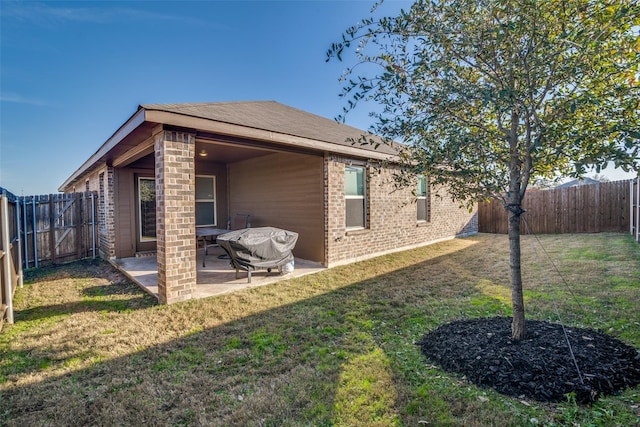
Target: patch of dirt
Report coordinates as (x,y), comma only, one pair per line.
(540,366)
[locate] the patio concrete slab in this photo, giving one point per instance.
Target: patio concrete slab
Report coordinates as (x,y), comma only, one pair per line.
(217,277)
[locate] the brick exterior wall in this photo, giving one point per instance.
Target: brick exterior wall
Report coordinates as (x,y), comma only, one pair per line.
(102,182)
(107,228)
(175,205)
(391,217)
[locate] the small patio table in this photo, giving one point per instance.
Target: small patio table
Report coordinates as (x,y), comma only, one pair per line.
(202,233)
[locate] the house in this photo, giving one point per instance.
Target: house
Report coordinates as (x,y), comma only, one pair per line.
(578,183)
(173,167)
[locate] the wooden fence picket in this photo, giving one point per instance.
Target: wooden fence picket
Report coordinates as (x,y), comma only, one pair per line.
(634,211)
(49,228)
(10,254)
(58,227)
(595,208)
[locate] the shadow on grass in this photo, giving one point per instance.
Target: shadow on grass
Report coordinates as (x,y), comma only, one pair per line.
(136,302)
(115,293)
(294,363)
(77,269)
(341,352)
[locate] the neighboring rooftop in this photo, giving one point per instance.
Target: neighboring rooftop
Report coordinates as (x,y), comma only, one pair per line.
(578,183)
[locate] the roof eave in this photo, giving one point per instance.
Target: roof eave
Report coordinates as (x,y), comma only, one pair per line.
(230,129)
(129,126)
(191,122)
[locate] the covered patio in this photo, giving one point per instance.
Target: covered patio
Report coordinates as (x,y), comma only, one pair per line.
(172,170)
(217,277)
(179,176)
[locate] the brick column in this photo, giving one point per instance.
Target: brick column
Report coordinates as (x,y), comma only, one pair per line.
(175,219)
(106,214)
(335,209)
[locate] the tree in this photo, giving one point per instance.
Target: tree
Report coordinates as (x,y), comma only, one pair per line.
(490,94)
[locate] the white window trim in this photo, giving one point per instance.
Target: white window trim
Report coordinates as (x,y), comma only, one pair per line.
(424,199)
(142,238)
(363,197)
(214,200)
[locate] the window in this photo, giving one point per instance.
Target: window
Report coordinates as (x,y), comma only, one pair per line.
(147,208)
(205,200)
(422,196)
(355,197)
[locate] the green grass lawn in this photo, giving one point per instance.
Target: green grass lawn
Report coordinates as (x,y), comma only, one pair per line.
(335,348)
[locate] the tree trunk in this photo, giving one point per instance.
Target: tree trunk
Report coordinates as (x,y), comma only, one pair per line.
(516,193)
(518,329)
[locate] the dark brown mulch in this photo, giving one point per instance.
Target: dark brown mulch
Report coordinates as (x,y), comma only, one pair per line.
(538,367)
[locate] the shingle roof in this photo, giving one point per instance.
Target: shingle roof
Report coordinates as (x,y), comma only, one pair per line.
(310,130)
(272,116)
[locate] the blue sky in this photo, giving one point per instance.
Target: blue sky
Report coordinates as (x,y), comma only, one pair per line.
(72,72)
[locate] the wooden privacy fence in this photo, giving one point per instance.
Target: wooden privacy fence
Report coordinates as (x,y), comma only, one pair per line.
(603,207)
(58,227)
(44,229)
(10,250)
(634,197)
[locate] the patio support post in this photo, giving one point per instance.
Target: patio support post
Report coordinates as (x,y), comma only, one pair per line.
(175,215)
(106,213)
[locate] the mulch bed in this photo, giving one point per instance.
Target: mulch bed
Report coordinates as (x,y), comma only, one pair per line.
(538,367)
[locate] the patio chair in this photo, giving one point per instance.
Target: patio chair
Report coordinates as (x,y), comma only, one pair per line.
(205,235)
(262,248)
(239,222)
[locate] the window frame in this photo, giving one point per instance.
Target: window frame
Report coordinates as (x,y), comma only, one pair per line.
(423,198)
(141,237)
(213,200)
(362,197)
